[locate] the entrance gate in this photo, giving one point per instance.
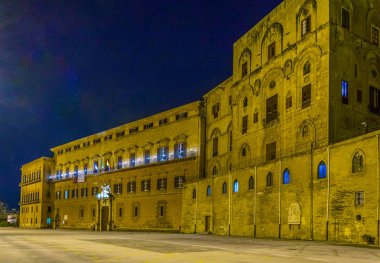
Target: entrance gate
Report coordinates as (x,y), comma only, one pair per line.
(104,220)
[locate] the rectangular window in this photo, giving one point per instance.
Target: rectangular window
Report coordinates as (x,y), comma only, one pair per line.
(359,198)
(148,126)
(145,185)
(244,126)
(306,26)
(66,194)
(161,211)
(181,116)
(49,209)
(359,96)
(271,151)
(306,96)
(374,100)
(161,184)
(215,147)
(272,113)
(58,195)
(147,157)
(96,166)
(272,50)
(120,134)
(179,181)
(244,69)
(68,149)
(76,147)
(180,150)
(86,144)
(215,110)
(74,193)
(131,187)
(344,92)
(120,212)
(136,211)
(345,18)
(96,141)
(163,121)
(83,192)
(117,188)
(119,162)
(162,154)
(288,102)
(108,137)
(132,160)
(375,36)
(133,130)
(94,191)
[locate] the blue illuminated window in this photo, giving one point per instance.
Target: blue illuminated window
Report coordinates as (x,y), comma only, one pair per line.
(96,167)
(66,194)
(48,220)
(180,150)
(322,170)
(208,191)
(132,160)
(147,157)
(236,186)
(119,162)
(286,176)
(162,154)
(344,92)
(85,169)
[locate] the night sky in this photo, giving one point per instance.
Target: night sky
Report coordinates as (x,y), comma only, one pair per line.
(69,69)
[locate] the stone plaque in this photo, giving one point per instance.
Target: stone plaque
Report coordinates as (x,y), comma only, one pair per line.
(294,216)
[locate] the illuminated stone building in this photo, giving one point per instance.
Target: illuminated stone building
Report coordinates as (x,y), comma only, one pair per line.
(282,154)
(287,147)
(145,163)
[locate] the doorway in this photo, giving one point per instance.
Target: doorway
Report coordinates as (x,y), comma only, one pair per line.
(104,220)
(207,223)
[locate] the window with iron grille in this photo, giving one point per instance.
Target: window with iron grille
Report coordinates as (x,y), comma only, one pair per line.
(306,26)
(117,188)
(179,181)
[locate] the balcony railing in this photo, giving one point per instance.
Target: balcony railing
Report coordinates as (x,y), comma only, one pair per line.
(126,165)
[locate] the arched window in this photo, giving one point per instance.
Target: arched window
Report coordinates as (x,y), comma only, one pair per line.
(306,68)
(245,102)
(208,191)
(236,186)
(305,131)
(269,179)
(251,183)
(286,176)
(321,170)
(357,163)
(214,170)
(194,193)
(224,188)
(244,152)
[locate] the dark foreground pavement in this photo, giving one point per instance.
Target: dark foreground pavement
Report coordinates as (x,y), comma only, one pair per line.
(18,245)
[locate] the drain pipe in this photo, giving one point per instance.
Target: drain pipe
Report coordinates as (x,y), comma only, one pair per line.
(378,190)
(328,194)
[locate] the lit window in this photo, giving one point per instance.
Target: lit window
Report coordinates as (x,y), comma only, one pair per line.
(146,156)
(357,163)
(359,198)
(224,188)
(132,160)
(306,26)
(180,150)
(66,194)
(344,92)
(322,170)
(345,19)
(286,176)
(236,186)
(163,154)
(119,162)
(208,191)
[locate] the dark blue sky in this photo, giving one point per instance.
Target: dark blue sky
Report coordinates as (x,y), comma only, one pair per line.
(69,69)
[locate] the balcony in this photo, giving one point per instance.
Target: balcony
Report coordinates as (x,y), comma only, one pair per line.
(191,154)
